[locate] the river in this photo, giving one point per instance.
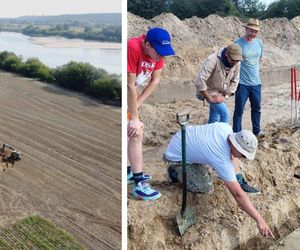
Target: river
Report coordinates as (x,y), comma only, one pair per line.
(57,51)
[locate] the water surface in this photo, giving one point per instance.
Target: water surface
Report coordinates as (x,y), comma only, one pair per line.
(108,59)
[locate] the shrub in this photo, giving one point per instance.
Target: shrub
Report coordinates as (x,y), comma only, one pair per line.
(4,55)
(45,74)
(107,87)
(31,67)
(77,76)
(82,77)
(12,63)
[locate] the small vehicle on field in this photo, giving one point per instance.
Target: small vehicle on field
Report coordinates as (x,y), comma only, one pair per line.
(8,156)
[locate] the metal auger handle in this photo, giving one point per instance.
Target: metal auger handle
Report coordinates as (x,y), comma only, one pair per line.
(182,118)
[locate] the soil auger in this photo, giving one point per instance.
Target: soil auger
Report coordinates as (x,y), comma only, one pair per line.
(9,155)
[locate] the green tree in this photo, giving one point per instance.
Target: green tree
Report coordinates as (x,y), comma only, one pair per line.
(31,67)
(250,8)
(184,8)
(66,26)
(88,28)
(283,8)
(202,8)
(4,55)
(107,87)
(147,8)
(12,63)
(59,27)
(45,74)
(77,76)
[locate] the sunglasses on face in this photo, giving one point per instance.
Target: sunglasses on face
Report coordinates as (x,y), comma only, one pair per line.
(234,61)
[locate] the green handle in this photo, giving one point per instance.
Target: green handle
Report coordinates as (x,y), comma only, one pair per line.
(183,120)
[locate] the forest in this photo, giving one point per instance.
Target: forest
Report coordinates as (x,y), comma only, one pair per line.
(203,8)
(104,27)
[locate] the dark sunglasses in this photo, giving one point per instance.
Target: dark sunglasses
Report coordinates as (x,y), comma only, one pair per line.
(234,61)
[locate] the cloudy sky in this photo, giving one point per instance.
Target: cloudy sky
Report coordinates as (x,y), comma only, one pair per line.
(15,8)
(267,2)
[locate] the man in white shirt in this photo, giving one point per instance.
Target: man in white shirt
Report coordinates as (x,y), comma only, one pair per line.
(216,145)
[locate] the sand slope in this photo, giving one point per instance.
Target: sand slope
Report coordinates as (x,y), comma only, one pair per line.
(220,223)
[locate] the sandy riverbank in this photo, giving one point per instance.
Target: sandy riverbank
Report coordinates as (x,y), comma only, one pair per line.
(60,42)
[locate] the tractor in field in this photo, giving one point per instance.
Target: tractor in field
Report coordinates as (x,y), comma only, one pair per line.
(8,156)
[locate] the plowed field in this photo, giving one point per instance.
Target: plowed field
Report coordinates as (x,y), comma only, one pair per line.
(70,172)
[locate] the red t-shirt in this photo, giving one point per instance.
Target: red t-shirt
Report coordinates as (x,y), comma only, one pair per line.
(139,63)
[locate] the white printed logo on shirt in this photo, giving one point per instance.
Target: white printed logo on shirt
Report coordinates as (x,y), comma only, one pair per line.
(147,69)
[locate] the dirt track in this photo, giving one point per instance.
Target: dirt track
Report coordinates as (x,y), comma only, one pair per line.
(70,171)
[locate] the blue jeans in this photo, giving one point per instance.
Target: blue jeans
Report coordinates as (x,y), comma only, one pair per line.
(241,96)
(218,112)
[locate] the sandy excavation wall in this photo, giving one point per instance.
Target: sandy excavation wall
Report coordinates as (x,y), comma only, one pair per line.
(169,90)
(195,38)
(220,223)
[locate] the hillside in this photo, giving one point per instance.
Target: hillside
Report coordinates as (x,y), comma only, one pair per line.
(70,171)
(93,18)
(195,38)
(220,223)
(104,27)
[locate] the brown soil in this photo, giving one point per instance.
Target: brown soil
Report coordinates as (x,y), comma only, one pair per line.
(70,171)
(220,223)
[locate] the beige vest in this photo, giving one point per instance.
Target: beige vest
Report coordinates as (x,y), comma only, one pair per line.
(214,78)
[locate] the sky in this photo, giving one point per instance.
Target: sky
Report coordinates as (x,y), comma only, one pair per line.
(267,2)
(16,8)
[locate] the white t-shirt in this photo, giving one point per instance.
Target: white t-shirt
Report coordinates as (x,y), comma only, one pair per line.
(205,144)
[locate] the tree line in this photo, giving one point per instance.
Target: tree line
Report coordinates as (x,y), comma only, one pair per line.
(77,76)
(73,19)
(104,27)
(202,8)
(105,34)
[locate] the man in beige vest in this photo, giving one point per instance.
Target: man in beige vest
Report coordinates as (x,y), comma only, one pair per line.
(218,80)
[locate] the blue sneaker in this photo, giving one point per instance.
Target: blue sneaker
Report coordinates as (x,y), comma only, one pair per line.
(130,178)
(143,191)
(246,187)
(172,174)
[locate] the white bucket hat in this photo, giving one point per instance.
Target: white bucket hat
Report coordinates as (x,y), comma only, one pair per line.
(245,142)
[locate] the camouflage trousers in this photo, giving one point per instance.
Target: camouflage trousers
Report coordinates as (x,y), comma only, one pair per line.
(197,175)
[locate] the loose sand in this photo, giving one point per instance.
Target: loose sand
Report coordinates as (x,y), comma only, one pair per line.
(60,42)
(220,223)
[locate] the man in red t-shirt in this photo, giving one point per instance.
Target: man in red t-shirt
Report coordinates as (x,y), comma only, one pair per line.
(145,59)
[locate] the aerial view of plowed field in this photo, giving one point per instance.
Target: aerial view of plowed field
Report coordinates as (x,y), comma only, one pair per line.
(71,156)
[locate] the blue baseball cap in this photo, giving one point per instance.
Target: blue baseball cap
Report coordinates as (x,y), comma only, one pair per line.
(160,40)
